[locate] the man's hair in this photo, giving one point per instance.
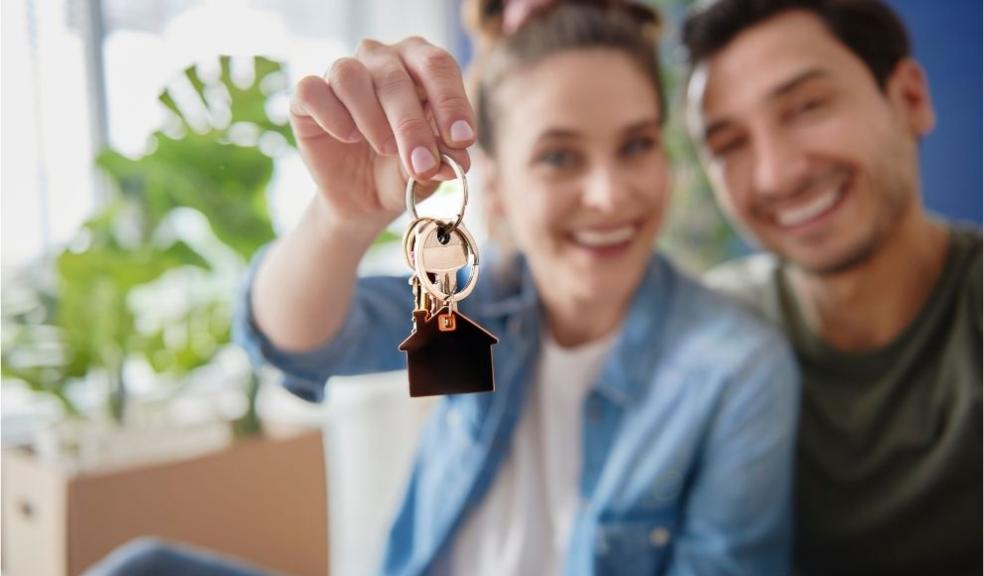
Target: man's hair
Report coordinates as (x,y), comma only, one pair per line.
(868,28)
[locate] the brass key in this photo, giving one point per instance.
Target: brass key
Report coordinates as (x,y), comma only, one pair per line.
(446,252)
(447,352)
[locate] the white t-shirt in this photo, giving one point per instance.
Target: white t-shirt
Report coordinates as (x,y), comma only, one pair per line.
(522,526)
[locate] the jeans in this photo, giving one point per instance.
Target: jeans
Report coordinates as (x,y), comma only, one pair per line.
(152,557)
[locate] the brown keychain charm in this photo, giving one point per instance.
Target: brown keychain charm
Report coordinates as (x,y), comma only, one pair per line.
(447,352)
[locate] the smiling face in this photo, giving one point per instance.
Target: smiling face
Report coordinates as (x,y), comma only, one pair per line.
(579,172)
(805,151)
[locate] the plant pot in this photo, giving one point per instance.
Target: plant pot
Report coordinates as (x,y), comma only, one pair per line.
(262,499)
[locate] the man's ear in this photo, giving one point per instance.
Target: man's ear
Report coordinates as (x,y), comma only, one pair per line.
(908,88)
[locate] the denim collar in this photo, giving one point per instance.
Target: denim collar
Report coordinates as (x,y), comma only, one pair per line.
(623,377)
(512,290)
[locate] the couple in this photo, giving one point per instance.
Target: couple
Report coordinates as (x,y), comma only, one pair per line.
(642,423)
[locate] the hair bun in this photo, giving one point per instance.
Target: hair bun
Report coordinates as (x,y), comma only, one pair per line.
(485,19)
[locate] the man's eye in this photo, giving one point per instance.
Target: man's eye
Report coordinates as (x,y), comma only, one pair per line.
(726,147)
(807,106)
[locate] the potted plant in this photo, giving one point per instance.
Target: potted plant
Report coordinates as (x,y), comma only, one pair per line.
(147,286)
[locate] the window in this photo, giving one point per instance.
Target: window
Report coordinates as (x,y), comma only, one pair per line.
(80,74)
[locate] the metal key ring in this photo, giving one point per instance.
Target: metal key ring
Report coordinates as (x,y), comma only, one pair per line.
(431,228)
(459,174)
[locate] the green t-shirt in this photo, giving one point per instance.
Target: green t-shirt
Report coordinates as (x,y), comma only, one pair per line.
(889,466)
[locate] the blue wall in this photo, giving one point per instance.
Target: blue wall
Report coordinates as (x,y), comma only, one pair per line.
(947,39)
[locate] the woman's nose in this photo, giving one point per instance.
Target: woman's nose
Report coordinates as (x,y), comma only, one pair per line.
(605,189)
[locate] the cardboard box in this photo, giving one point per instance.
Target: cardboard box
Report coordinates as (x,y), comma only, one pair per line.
(263,500)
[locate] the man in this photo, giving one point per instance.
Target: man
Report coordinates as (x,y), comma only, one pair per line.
(808,115)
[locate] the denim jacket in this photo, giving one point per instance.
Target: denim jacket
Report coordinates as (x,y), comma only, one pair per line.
(688,433)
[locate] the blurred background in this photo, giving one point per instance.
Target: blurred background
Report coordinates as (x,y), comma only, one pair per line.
(145,157)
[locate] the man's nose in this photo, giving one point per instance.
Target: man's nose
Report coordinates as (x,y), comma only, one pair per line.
(780,164)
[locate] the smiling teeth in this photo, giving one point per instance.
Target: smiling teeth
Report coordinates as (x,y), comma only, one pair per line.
(598,239)
(806,212)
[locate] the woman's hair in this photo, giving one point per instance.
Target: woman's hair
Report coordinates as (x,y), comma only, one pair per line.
(563,27)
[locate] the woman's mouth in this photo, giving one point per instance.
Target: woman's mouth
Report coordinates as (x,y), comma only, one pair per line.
(608,241)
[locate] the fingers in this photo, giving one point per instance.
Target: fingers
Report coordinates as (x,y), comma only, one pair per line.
(439,75)
(407,100)
(398,97)
(352,82)
(314,109)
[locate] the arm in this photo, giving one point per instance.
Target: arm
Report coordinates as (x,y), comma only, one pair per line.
(303,285)
(738,519)
(353,129)
(385,113)
(366,340)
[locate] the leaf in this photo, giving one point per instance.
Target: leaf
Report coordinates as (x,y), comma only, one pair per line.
(83,321)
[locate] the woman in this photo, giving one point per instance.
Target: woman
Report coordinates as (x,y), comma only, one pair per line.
(640,424)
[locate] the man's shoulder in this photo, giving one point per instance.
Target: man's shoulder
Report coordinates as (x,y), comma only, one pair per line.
(751,281)
(968,246)
(967,242)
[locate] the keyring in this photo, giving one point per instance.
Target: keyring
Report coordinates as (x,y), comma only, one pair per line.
(431,228)
(459,174)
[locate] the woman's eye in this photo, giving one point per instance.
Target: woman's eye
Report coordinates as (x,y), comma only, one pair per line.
(638,145)
(558,159)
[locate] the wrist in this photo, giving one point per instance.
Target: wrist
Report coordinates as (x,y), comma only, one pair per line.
(332,228)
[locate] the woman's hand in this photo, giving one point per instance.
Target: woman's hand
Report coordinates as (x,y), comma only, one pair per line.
(388,112)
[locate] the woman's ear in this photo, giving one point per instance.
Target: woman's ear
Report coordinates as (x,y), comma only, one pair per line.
(489,176)
(493,206)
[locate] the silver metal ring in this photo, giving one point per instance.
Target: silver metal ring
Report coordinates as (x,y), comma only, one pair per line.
(420,266)
(459,174)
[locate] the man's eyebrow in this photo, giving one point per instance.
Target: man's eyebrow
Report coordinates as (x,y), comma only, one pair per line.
(777,92)
(796,81)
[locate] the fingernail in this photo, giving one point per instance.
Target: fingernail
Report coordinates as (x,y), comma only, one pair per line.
(421,159)
(461,131)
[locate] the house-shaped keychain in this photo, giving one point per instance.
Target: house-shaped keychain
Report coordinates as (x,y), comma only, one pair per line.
(447,353)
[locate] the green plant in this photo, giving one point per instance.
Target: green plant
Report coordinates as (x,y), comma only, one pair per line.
(81,321)
(695,232)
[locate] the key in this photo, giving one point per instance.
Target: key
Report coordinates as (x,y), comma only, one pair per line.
(446,252)
(421,299)
(447,352)
(440,255)
(433,278)
(410,238)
